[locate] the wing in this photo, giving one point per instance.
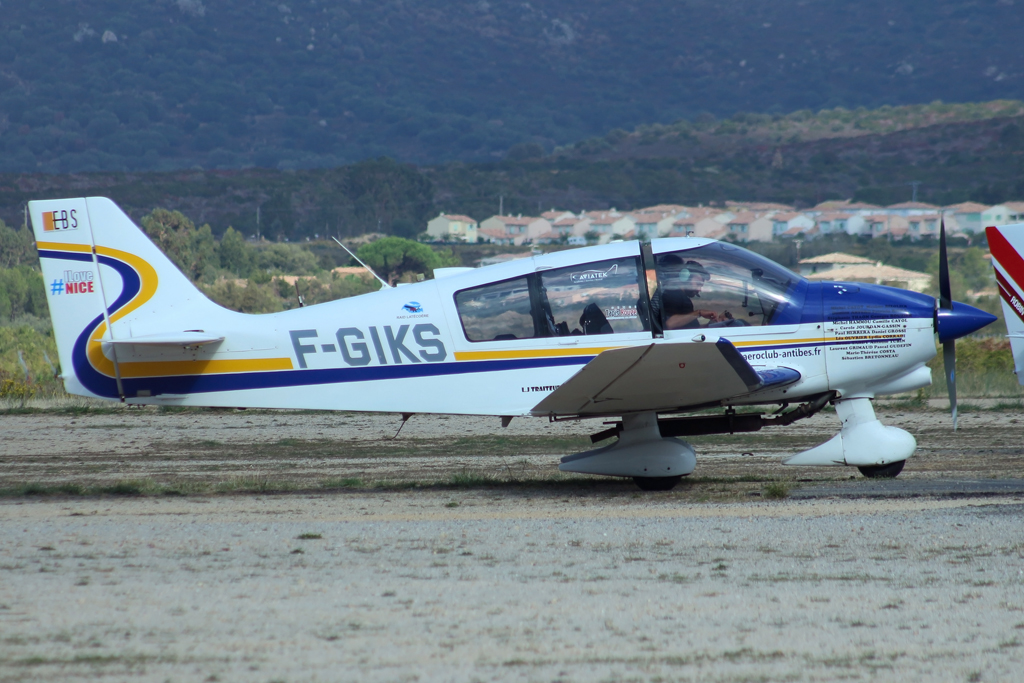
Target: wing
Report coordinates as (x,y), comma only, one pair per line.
(660,377)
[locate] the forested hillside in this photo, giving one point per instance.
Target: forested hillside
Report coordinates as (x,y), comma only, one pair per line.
(174,84)
(956,152)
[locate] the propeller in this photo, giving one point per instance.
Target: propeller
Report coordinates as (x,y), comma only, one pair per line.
(946,304)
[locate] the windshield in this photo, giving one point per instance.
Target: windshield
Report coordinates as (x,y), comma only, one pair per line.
(722,285)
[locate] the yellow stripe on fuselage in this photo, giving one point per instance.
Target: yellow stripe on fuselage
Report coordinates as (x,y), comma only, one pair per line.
(531,353)
(775,342)
(593,351)
(57,246)
(203,367)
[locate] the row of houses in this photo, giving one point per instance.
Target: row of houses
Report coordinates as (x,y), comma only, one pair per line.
(739,221)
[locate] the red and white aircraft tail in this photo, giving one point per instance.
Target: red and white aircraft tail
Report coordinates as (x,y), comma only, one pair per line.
(1007,245)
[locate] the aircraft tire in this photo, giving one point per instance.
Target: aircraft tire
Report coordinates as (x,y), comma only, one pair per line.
(883,471)
(657,483)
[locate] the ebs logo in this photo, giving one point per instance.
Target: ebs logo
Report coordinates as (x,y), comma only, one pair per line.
(56,221)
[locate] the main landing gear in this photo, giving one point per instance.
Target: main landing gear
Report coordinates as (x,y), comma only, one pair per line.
(657,483)
(655,463)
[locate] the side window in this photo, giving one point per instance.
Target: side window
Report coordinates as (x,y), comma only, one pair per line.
(594,298)
(590,298)
(497,311)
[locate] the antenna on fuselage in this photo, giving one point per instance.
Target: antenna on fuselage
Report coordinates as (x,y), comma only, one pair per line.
(368,268)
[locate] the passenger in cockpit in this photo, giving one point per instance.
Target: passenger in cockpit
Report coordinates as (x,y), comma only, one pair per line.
(679,283)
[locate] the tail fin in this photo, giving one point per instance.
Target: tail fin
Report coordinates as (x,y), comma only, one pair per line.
(1007,243)
(106,283)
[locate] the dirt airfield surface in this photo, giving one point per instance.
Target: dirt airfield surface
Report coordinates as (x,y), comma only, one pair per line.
(274,546)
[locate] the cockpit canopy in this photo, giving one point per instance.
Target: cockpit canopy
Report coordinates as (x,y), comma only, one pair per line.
(669,288)
(741,287)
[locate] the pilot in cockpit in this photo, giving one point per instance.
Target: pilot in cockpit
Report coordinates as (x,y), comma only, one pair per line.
(679,283)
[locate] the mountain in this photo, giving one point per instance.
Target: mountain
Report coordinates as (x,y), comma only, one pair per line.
(104,85)
(955,152)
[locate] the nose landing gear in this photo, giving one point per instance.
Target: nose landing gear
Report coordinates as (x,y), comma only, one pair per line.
(876,450)
(883,471)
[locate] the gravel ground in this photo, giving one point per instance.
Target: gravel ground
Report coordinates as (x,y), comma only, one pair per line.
(540,578)
(409,586)
(303,449)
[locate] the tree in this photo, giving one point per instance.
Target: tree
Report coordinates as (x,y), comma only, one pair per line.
(391,257)
(16,246)
(976,271)
(192,250)
(22,291)
(235,255)
(968,271)
(289,259)
(880,249)
(251,297)
(525,151)
(383,191)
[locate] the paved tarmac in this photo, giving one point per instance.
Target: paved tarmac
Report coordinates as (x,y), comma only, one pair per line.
(470,586)
(908,488)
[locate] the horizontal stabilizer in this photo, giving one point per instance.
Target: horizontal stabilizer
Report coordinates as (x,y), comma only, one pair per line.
(659,377)
(188,338)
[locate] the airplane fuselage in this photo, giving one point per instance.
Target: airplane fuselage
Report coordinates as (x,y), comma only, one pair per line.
(408,349)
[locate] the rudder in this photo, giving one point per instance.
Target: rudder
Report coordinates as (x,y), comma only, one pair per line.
(1006,244)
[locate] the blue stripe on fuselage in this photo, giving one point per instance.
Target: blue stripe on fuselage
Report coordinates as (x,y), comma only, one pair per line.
(198,384)
(91,379)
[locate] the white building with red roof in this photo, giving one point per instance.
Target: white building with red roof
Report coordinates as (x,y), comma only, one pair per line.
(925,225)
(846,206)
(703,222)
(677,210)
(610,225)
(453,228)
(911,209)
(893,227)
(1003,214)
(553,216)
(839,221)
(784,221)
(749,226)
(967,215)
(513,229)
(651,224)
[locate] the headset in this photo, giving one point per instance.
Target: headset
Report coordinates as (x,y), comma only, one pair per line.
(691,268)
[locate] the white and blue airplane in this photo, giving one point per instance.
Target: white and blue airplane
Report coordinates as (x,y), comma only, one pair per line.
(640,332)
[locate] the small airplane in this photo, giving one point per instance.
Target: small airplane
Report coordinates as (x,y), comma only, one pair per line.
(1006,243)
(638,333)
